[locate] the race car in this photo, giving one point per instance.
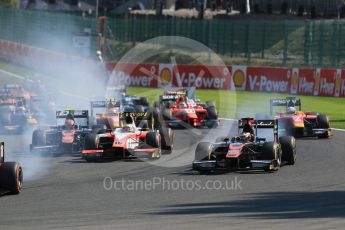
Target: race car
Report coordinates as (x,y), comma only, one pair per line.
(11,174)
(248,150)
(129,103)
(66,137)
(177,110)
(14,115)
(298,123)
(13,90)
(43,108)
(105,112)
(127,140)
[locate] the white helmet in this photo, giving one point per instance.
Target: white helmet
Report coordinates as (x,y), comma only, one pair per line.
(290,110)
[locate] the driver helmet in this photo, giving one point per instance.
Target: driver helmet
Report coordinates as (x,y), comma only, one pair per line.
(290,110)
(128,125)
(127,128)
(69,122)
(183,105)
(246,137)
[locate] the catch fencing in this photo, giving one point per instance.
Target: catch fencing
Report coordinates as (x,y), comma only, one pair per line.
(252,42)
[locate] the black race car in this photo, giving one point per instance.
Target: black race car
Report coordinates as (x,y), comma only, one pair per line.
(247,150)
(66,137)
(11,174)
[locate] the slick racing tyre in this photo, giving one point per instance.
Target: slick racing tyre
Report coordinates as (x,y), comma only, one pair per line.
(288,146)
(212,117)
(167,139)
(39,138)
(203,151)
(153,139)
(270,151)
(90,141)
(11,177)
(323,123)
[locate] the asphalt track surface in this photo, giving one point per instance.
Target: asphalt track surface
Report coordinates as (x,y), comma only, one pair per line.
(67,193)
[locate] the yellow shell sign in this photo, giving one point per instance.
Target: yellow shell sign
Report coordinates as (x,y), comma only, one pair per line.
(238,78)
(165,76)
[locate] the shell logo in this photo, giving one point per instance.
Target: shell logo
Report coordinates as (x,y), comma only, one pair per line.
(165,76)
(238,78)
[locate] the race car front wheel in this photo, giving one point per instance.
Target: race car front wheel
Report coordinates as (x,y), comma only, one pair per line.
(288,146)
(39,138)
(323,123)
(11,177)
(270,151)
(167,138)
(203,151)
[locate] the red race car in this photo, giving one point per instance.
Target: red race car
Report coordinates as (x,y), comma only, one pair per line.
(126,140)
(300,124)
(177,110)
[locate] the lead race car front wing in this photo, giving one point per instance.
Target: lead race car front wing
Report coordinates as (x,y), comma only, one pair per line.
(255,164)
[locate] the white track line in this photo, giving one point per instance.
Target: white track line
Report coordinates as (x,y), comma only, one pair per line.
(11,74)
(341,130)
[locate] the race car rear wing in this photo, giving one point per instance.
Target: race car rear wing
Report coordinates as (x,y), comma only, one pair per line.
(287,102)
(181,91)
(140,116)
(81,117)
(268,124)
(259,124)
(103,104)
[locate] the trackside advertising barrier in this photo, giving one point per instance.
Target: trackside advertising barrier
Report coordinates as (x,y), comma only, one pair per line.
(302,81)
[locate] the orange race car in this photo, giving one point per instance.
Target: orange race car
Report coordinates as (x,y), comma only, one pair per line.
(300,124)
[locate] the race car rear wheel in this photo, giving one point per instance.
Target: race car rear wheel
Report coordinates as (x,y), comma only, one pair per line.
(90,142)
(39,138)
(153,139)
(143,101)
(210,104)
(167,114)
(139,108)
(270,151)
(212,112)
(288,146)
(323,123)
(11,177)
(212,117)
(203,151)
(167,139)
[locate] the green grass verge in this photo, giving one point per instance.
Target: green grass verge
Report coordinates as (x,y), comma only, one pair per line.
(239,104)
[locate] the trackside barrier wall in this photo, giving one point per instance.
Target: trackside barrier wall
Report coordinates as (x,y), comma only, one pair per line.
(42,59)
(303,81)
